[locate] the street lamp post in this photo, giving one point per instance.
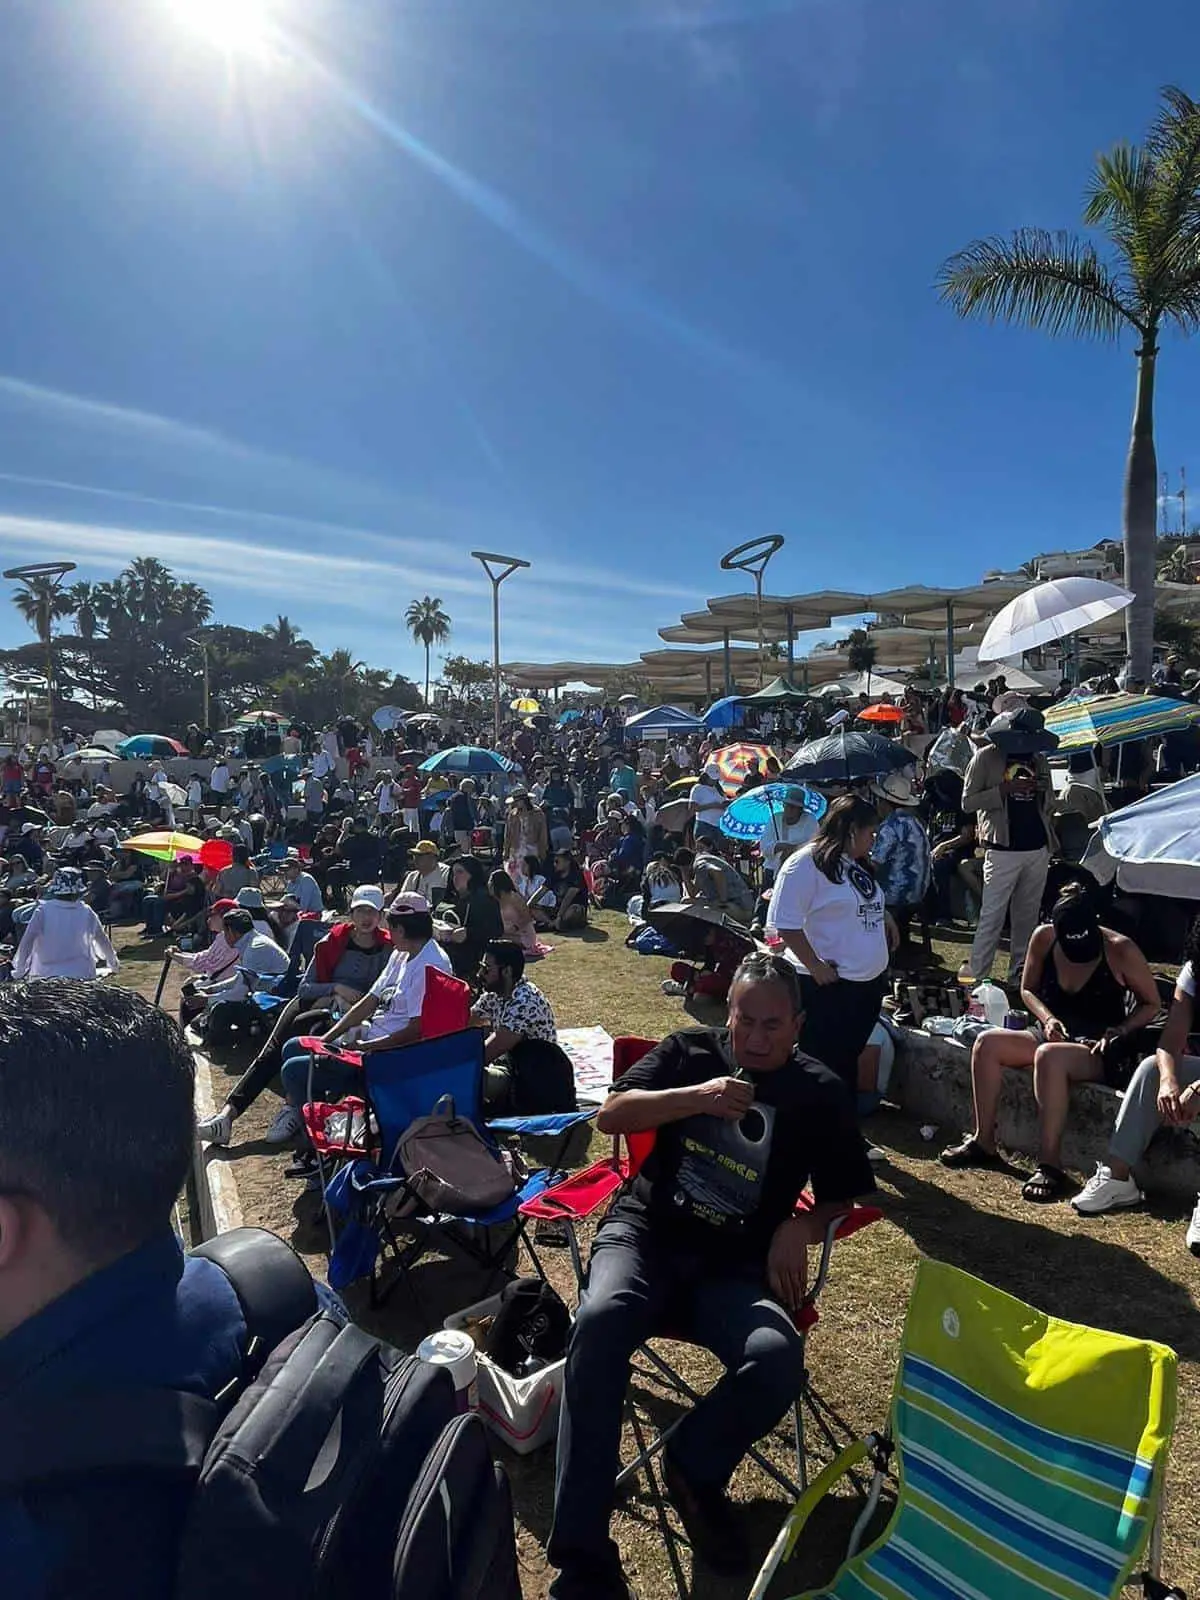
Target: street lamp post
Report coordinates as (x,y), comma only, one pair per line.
(202,646)
(43,580)
(752,557)
(506,566)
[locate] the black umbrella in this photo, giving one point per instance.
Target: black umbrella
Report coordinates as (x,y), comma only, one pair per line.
(691,928)
(851,757)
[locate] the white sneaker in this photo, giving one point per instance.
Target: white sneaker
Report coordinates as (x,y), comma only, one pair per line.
(218,1129)
(287,1124)
(1102,1192)
(1193,1230)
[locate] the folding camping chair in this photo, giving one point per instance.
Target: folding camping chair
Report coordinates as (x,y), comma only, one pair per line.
(1030,1455)
(581,1196)
(399,1087)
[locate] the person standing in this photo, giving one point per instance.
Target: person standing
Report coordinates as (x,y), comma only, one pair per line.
(707,801)
(64,938)
(1008,787)
(827,911)
(219,780)
(410,800)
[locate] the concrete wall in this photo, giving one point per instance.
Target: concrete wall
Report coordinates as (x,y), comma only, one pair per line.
(932,1082)
(212,1196)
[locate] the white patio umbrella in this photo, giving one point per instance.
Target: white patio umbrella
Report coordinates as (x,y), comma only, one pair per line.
(1053,610)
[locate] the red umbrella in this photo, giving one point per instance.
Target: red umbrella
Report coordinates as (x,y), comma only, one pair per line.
(882,713)
(216,854)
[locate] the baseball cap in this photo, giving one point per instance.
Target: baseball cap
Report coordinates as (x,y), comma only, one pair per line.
(367,894)
(425,847)
(222,906)
(408,902)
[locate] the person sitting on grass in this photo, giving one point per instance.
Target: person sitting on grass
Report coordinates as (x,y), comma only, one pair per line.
(707,1235)
(709,879)
(516,916)
(527,1073)
(566,908)
(1164,1092)
(1091,993)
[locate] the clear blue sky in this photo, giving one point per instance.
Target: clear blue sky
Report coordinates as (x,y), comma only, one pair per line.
(608,284)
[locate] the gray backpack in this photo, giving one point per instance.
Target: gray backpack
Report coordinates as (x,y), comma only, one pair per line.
(451,1167)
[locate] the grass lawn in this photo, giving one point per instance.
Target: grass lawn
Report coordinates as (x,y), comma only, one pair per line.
(1129,1272)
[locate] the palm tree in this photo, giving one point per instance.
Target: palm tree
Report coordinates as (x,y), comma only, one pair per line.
(1145,201)
(860,653)
(41,602)
(85,604)
(429,625)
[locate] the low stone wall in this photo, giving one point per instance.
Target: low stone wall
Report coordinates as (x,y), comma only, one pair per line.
(213,1202)
(932,1082)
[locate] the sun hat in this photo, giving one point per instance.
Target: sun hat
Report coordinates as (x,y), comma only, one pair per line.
(367,894)
(897,789)
(713,771)
(250,899)
(67,884)
(29,827)
(839,716)
(293,859)
(1021,733)
(425,847)
(404,903)
(795,796)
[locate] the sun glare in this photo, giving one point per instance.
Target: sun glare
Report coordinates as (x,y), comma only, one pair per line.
(237,27)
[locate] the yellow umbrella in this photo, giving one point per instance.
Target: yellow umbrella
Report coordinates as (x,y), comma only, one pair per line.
(524,707)
(166,846)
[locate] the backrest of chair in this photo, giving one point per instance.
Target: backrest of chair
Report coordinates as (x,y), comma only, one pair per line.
(628,1049)
(1031,1450)
(446,1004)
(407,1083)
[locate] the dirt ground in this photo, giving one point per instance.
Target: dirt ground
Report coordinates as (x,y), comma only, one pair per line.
(1129,1272)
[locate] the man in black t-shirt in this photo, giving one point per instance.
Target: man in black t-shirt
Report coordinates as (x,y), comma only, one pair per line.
(704,1241)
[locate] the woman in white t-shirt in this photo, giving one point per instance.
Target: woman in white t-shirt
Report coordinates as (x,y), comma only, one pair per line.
(707,800)
(827,911)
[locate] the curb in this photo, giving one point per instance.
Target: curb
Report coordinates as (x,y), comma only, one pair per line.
(214,1205)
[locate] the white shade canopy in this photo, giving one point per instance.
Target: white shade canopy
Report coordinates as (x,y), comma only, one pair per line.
(1050,611)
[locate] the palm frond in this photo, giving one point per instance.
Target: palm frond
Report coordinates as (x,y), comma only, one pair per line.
(1181,300)
(1174,144)
(1044,280)
(1120,199)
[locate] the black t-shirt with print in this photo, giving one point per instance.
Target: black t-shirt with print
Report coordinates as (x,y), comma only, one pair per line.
(724,1187)
(1026,830)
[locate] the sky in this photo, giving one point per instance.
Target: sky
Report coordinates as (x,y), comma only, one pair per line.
(609,285)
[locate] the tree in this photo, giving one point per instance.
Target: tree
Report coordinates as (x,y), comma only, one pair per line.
(463,674)
(429,625)
(1145,201)
(82,597)
(860,653)
(41,602)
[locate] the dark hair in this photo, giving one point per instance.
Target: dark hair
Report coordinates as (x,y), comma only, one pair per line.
(848,812)
(241,855)
(412,924)
(240,921)
(683,857)
(500,883)
(96,1111)
(763,968)
(508,956)
(532,861)
(473,868)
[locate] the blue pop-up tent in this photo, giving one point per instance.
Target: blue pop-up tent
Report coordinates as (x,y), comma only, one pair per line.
(727,713)
(660,722)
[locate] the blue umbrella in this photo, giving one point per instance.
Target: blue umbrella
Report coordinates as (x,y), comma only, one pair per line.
(466,758)
(753,814)
(727,713)
(569,716)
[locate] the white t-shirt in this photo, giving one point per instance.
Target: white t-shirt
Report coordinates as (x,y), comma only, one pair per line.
(386,798)
(709,803)
(400,988)
(1186,981)
(218,780)
(778,846)
(842,921)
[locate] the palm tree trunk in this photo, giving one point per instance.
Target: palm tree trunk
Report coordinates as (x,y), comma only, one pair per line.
(427,674)
(1141,516)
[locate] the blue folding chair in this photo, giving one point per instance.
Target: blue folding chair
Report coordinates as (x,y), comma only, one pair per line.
(399,1087)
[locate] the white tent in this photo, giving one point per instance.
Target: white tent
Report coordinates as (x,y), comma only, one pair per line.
(968,672)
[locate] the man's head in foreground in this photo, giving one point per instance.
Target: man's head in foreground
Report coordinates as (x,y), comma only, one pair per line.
(96,1127)
(765,1013)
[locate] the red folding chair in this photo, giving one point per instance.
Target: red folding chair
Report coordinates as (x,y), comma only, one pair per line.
(581,1196)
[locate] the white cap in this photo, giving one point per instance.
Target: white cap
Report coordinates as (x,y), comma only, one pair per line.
(367,894)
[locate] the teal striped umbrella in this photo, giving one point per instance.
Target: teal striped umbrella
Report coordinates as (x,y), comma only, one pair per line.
(1115,718)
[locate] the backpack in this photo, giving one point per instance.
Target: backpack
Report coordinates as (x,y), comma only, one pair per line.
(451,1167)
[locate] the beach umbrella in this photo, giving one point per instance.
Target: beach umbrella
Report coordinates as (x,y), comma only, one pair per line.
(216,854)
(166,846)
(1113,718)
(1050,611)
(424,719)
(261,719)
(672,818)
(1153,845)
(734,762)
(569,716)
(752,816)
(524,707)
(142,746)
(693,928)
(468,760)
(848,757)
(881,713)
(727,713)
(386,717)
(95,753)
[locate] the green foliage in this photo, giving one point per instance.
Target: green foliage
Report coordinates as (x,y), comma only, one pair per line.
(860,650)
(462,674)
(429,624)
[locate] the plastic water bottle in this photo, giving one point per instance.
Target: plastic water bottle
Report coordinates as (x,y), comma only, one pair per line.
(989,1003)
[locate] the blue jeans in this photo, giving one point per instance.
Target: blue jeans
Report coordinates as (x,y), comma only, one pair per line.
(633,1291)
(330,1079)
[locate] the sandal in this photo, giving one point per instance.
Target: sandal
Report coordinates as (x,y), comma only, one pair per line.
(1047,1183)
(970,1153)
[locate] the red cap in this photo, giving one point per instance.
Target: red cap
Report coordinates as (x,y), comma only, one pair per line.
(222,906)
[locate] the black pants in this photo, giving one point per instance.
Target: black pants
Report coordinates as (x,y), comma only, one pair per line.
(228,1015)
(838,1018)
(291,1025)
(633,1291)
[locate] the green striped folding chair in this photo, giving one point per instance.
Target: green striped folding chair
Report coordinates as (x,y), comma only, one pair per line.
(1029,1456)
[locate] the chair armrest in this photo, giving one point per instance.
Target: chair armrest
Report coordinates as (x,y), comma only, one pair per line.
(318,1047)
(576,1197)
(840,1227)
(549,1122)
(797,1518)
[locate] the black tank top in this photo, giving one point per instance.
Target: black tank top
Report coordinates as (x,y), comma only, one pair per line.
(1085,1013)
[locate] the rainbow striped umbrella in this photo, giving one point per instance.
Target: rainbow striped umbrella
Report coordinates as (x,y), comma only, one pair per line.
(1114,718)
(165,846)
(734,761)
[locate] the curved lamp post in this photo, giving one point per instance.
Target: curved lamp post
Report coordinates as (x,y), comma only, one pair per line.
(752,557)
(504,567)
(44,577)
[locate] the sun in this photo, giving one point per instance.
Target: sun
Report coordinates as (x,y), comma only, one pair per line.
(237,27)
